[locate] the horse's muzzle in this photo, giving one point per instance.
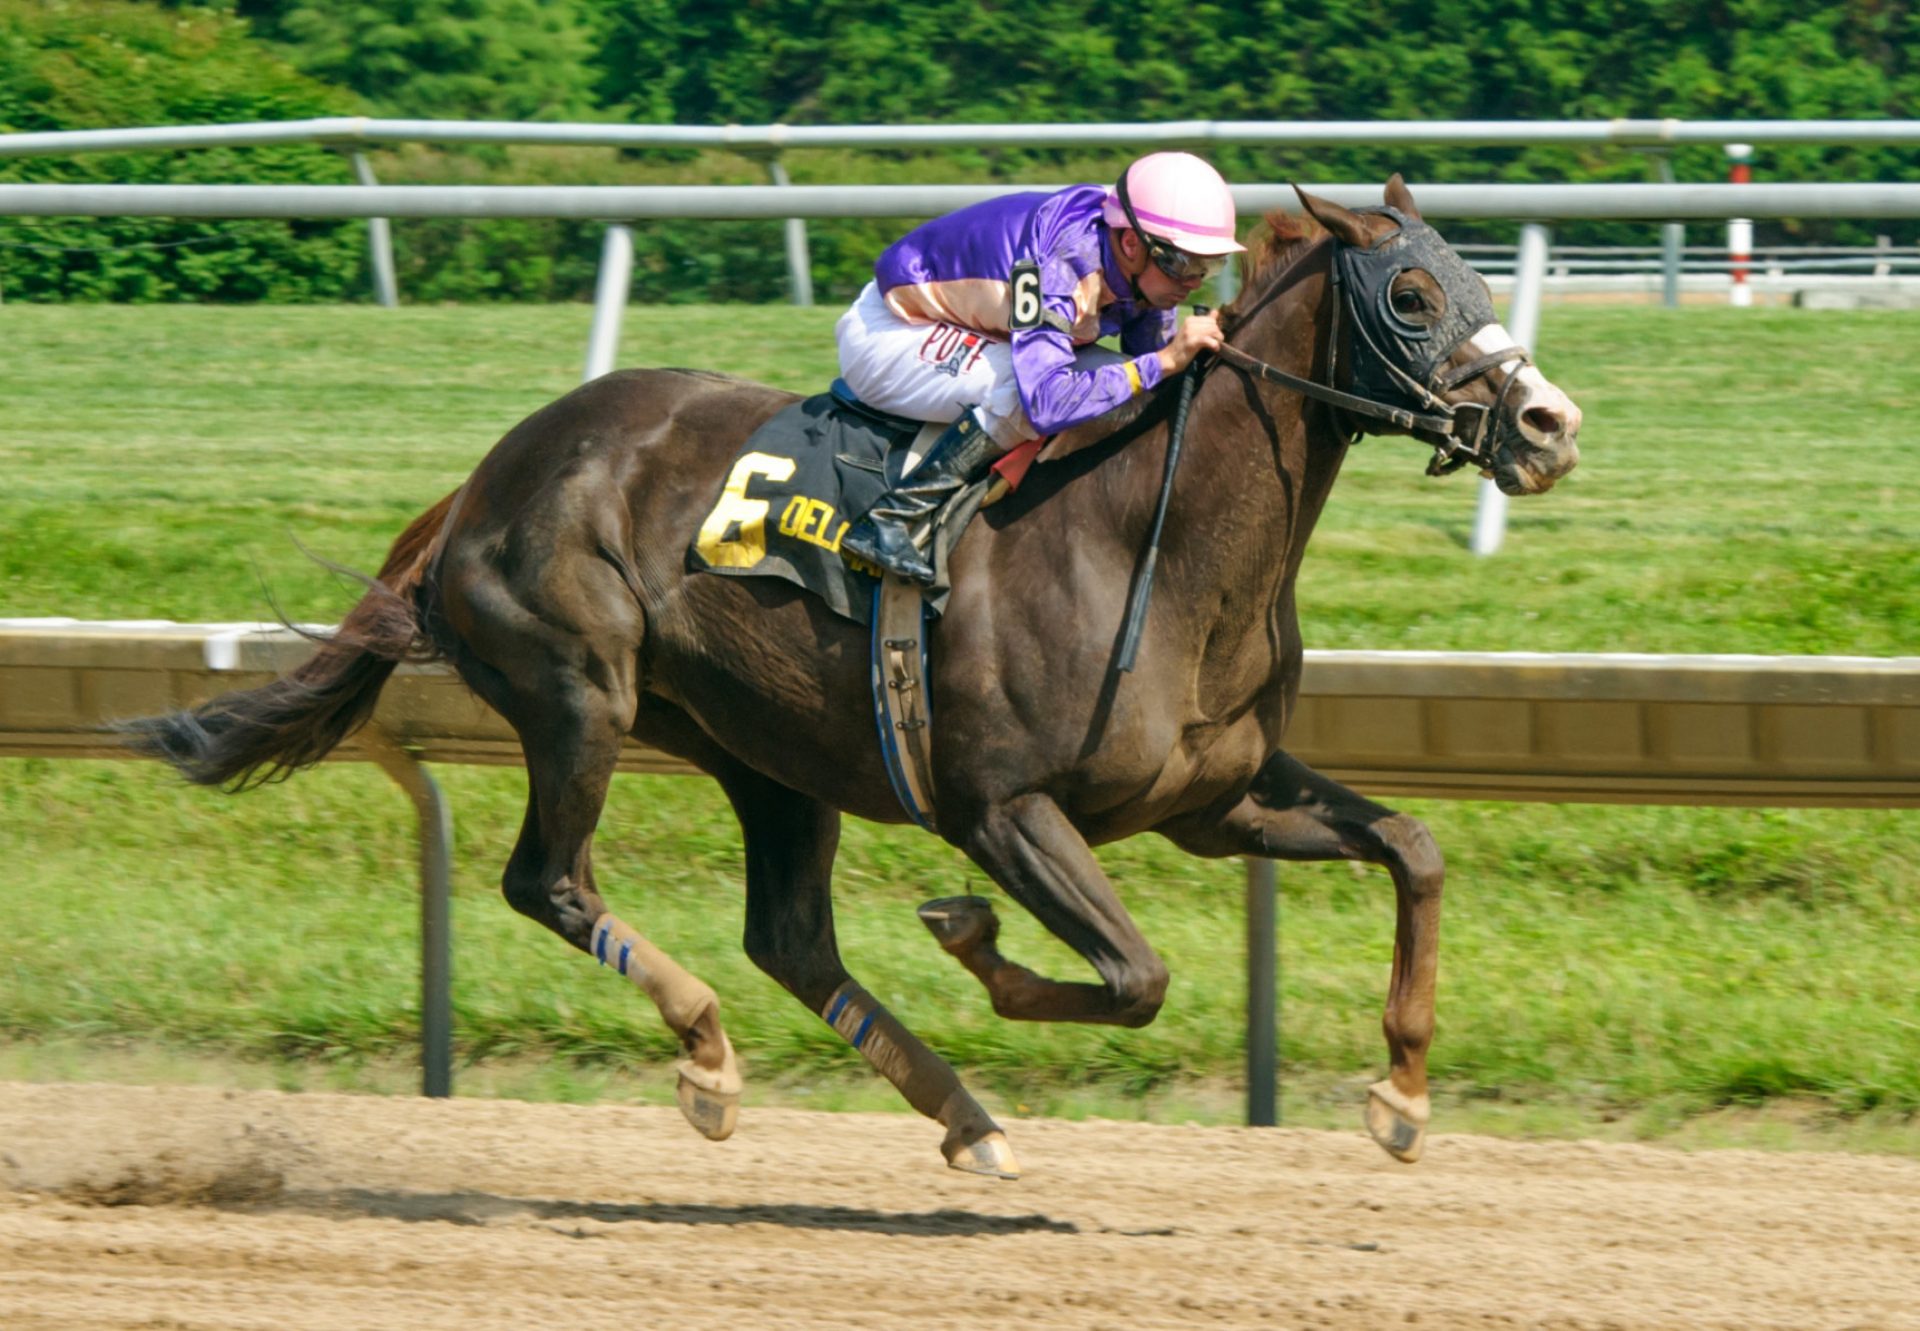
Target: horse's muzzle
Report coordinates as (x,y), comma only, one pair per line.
(1523,467)
(1539,442)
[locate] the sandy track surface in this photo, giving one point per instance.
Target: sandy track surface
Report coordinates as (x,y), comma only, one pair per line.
(128,1207)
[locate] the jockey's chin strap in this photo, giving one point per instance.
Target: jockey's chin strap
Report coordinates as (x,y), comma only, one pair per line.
(1460,433)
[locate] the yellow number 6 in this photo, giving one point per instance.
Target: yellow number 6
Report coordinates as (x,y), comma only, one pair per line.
(749,545)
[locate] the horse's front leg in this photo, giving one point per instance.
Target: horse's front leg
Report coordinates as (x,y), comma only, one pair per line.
(1028,847)
(1294,813)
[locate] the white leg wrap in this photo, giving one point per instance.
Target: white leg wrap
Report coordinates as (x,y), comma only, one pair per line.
(709,1087)
(974,1143)
(681,997)
(897,1054)
(874,1031)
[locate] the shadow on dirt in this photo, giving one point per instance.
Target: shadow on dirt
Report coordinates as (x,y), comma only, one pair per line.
(478,1208)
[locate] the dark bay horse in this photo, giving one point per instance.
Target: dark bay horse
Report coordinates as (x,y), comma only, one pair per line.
(556,583)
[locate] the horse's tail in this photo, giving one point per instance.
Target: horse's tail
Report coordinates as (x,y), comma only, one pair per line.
(251,736)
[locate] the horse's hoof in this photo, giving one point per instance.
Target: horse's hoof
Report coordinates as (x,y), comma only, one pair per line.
(1397,1121)
(987,1154)
(710,1097)
(713,1113)
(960,923)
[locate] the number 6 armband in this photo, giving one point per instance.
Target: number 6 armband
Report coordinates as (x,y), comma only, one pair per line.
(1029,308)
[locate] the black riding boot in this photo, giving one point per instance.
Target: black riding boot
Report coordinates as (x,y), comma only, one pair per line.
(884,537)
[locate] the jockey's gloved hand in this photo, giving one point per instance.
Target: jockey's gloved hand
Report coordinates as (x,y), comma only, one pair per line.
(1198,332)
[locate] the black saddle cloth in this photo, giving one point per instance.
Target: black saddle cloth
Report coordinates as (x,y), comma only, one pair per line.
(796,486)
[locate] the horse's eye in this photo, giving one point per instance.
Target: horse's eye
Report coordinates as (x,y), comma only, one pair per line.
(1406,301)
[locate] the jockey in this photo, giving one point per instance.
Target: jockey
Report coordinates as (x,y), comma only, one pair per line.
(990,315)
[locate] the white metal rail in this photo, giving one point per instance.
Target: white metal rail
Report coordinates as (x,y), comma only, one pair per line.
(359,131)
(1627,202)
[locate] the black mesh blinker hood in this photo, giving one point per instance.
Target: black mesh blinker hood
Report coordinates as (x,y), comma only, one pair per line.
(1369,274)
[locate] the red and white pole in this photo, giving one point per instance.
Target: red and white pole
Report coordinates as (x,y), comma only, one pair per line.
(1740,229)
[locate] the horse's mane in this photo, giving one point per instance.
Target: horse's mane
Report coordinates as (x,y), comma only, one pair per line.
(1282,239)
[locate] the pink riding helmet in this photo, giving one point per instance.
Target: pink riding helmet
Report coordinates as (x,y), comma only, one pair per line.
(1180,199)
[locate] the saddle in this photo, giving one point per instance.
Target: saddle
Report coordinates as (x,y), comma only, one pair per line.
(801,480)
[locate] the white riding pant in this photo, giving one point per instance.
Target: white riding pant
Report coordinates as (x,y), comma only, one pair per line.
(935,371)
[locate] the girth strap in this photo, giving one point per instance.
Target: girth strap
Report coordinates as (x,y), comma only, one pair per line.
(901,708)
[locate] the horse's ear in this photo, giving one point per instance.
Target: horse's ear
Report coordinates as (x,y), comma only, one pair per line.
(1345,224)
(1399,196)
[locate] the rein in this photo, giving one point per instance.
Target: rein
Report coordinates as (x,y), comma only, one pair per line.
(1359,406)
(1143,583)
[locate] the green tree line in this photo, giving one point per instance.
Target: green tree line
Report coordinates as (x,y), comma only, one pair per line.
(68,64)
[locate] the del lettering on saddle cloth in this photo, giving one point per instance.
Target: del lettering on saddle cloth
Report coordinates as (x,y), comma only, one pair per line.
(802,479)
(799,482)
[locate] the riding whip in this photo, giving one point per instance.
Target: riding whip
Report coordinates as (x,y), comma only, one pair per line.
(1143,585)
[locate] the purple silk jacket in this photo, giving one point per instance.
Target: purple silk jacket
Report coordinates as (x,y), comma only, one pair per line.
(958,269)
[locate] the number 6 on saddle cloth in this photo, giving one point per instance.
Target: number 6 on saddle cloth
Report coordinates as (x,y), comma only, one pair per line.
(801,481)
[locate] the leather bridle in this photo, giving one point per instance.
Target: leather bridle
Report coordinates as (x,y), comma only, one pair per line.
(1460,433)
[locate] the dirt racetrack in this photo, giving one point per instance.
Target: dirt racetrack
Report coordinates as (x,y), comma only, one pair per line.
(126,1207)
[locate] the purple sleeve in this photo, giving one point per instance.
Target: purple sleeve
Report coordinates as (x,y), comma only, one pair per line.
(1056,395)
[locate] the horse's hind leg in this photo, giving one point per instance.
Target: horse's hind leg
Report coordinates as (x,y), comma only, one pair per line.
(1030,848)
(790,845)
(572,720)
(1294,813)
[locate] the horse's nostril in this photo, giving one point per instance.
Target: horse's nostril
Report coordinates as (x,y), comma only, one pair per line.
(1544,420)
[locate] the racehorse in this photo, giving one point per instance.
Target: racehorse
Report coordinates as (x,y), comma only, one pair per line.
(556,582)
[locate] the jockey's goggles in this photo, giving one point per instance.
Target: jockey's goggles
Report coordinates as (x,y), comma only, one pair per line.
(1178,264)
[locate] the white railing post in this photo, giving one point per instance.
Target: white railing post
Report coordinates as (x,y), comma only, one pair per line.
(1673,238)
(436,912)
(386,289)
(1523,322)
(609,300)
(799,262)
